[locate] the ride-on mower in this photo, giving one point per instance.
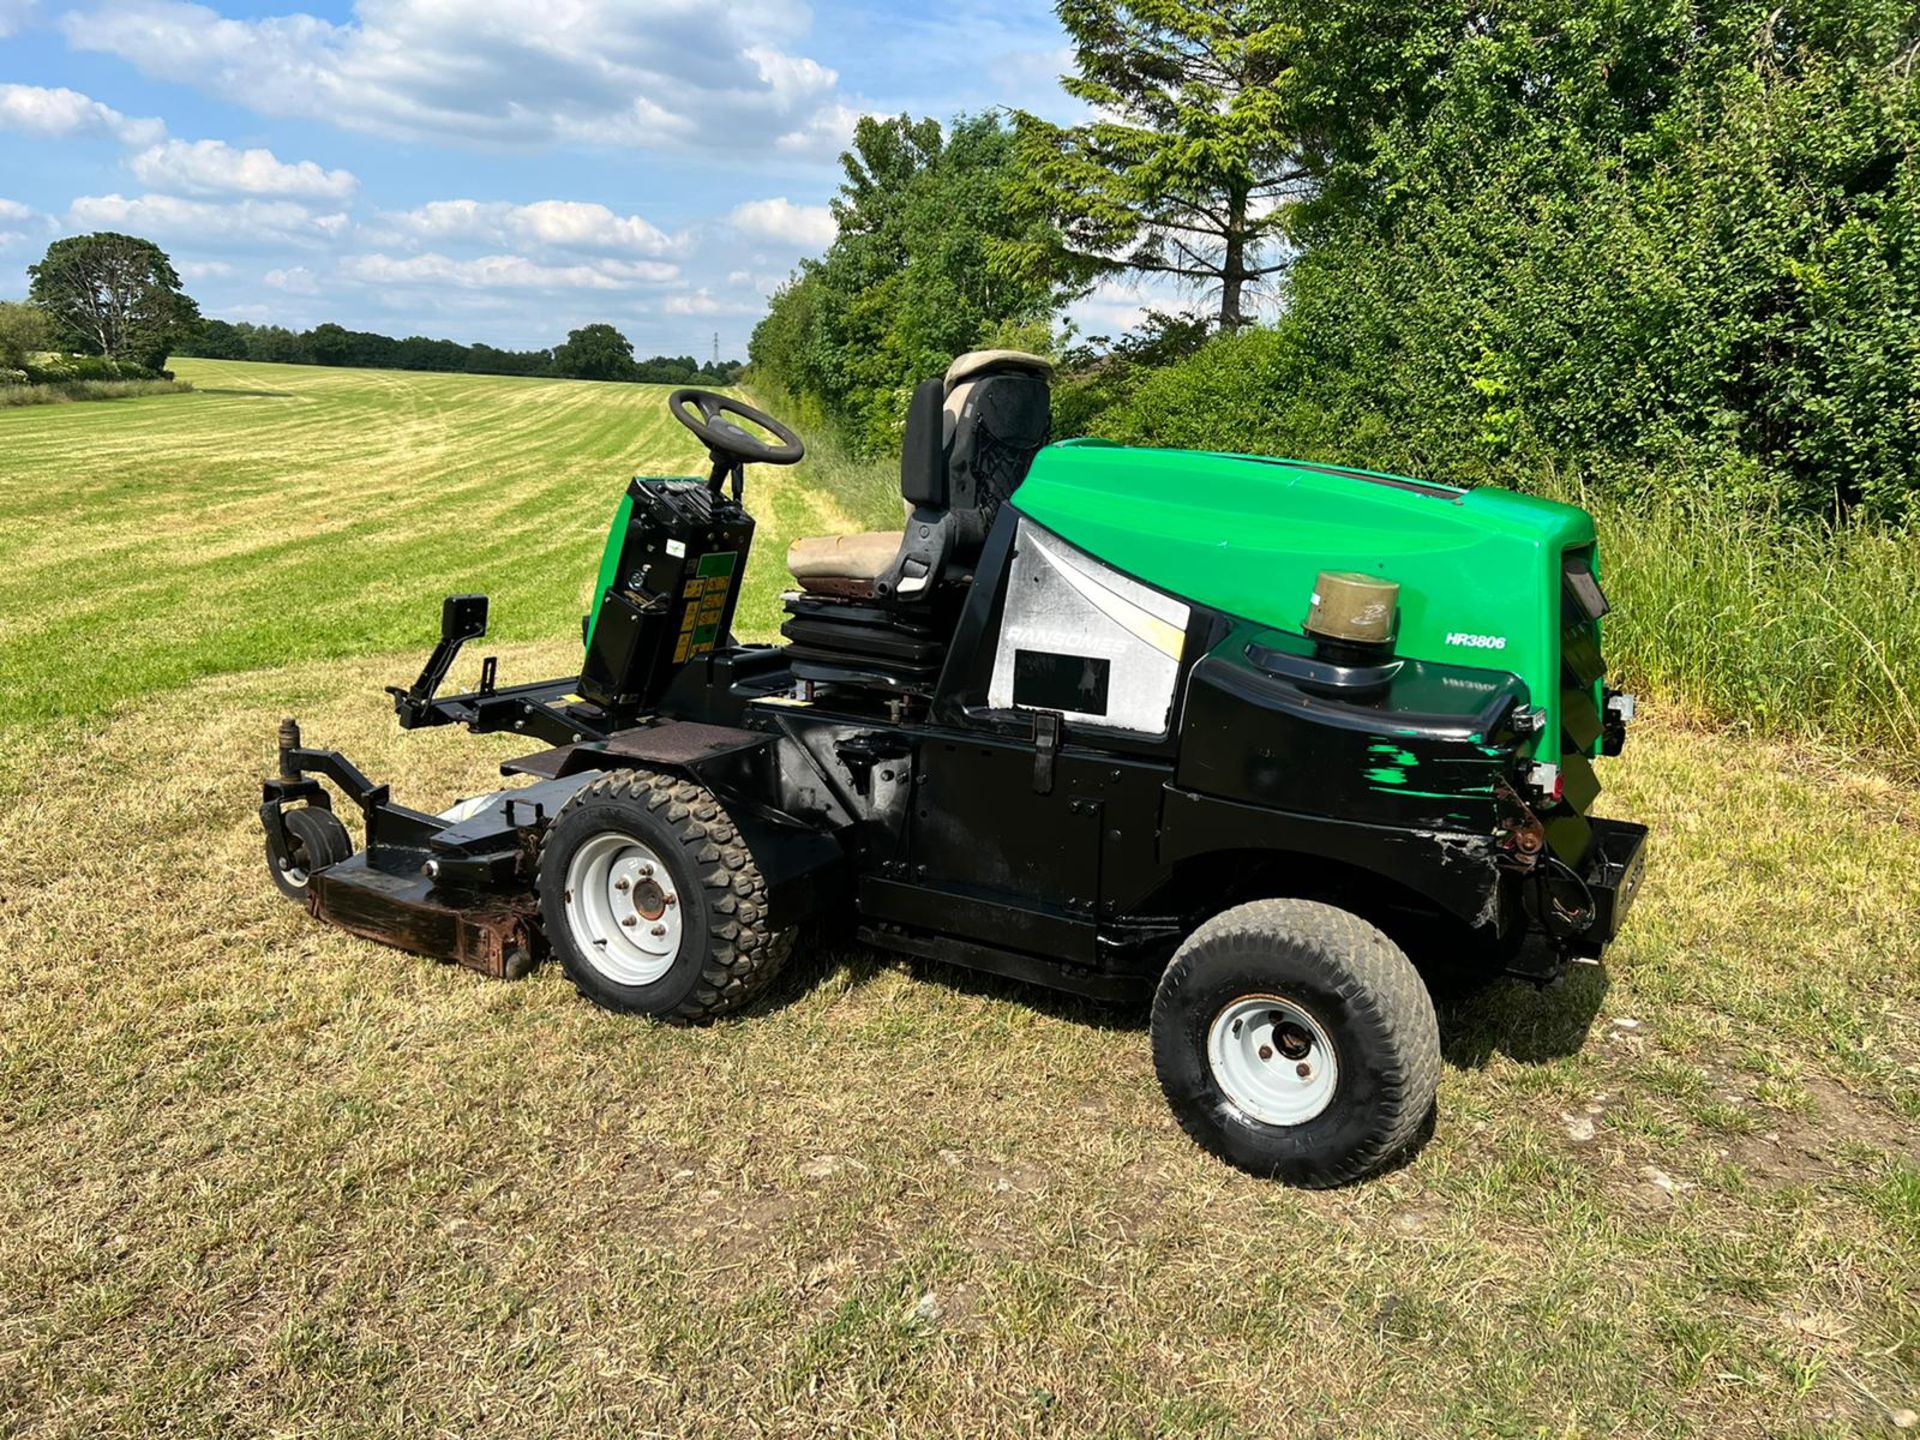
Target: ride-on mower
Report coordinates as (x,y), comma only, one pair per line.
(1272,743)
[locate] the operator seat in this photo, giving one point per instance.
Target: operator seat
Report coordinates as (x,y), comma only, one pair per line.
(878,610)
(969,441)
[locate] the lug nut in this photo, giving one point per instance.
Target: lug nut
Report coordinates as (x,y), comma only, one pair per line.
(1266,1052)
(631,920)
(621,884)
(1303,1071)
(645,869)
(670,900)
(659,929)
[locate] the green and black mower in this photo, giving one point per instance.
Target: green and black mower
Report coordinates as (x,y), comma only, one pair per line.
(1272,745)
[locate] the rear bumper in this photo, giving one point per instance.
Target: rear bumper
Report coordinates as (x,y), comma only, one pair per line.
(1613,872)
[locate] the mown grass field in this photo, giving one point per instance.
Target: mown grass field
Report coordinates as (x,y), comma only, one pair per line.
(258,1178)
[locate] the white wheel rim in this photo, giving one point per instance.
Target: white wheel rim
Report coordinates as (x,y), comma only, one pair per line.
(1272,1060)
(623,909)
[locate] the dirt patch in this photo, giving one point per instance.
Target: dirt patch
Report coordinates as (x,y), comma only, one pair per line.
(1808,1148)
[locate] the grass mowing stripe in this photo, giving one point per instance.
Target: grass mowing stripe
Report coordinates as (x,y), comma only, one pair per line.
(325,519)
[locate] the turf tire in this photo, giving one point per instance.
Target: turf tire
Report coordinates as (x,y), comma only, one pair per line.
(728,952)
(317,839)
(1365,995)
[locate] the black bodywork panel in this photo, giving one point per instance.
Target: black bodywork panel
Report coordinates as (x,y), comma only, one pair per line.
(1404,743)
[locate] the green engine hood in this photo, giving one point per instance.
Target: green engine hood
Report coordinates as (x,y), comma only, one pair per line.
(1479,570)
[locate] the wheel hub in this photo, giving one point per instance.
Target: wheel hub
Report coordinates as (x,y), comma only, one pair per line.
(1272,1059)
(622,909)
(649,900)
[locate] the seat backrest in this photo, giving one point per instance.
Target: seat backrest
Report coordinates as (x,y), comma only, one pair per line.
(970,439)
(996,417)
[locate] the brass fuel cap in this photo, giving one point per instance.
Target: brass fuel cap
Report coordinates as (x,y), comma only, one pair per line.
(1358,609)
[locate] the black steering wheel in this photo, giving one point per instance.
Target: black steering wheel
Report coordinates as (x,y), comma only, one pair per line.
(724,439)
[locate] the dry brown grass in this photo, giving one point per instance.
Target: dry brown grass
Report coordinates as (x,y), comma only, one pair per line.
(258,1178)
(261,1178)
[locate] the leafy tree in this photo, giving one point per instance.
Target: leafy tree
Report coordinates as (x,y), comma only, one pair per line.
(1187,167)
(24,332)
(330,344)
(1100,374)
(913,277)
(596,352)
(114,295)
(486,360)
(274,344)
(215,340)
(1652,243)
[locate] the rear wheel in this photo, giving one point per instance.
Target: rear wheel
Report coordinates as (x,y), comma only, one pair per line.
(1294,1040)
(315,839)
(653,902)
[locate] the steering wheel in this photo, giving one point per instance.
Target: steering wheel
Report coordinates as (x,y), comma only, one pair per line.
(725,439)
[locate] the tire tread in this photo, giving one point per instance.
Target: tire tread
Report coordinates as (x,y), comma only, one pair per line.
(1375,979)
(743,953)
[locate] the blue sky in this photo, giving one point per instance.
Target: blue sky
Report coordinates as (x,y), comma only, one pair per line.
(497,170)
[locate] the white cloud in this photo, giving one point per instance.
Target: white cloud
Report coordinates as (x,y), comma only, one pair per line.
(298,280)
(203,269)
(705,302)
(560,224)
(63,114)
(14,15)
(264,221)
(14,215)
(213,167)
(803,227)
(514,72)
(762,282)
(826,133)
(505,272)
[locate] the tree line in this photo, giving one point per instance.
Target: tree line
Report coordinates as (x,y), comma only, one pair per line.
(1658,245)
(119,299)
(593,352)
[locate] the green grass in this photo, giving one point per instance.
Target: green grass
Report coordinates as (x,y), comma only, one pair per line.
(15,396)
(257,1177)
(1770,626)
(282,513)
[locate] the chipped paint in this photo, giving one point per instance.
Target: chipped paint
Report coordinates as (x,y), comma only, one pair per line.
(1394,755)
(1387,775)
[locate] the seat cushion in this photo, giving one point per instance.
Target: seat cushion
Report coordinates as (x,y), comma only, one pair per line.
(842,564)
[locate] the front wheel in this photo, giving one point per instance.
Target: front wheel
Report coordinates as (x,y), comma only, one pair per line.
(316,839)
(653,902)
(1296,1041)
